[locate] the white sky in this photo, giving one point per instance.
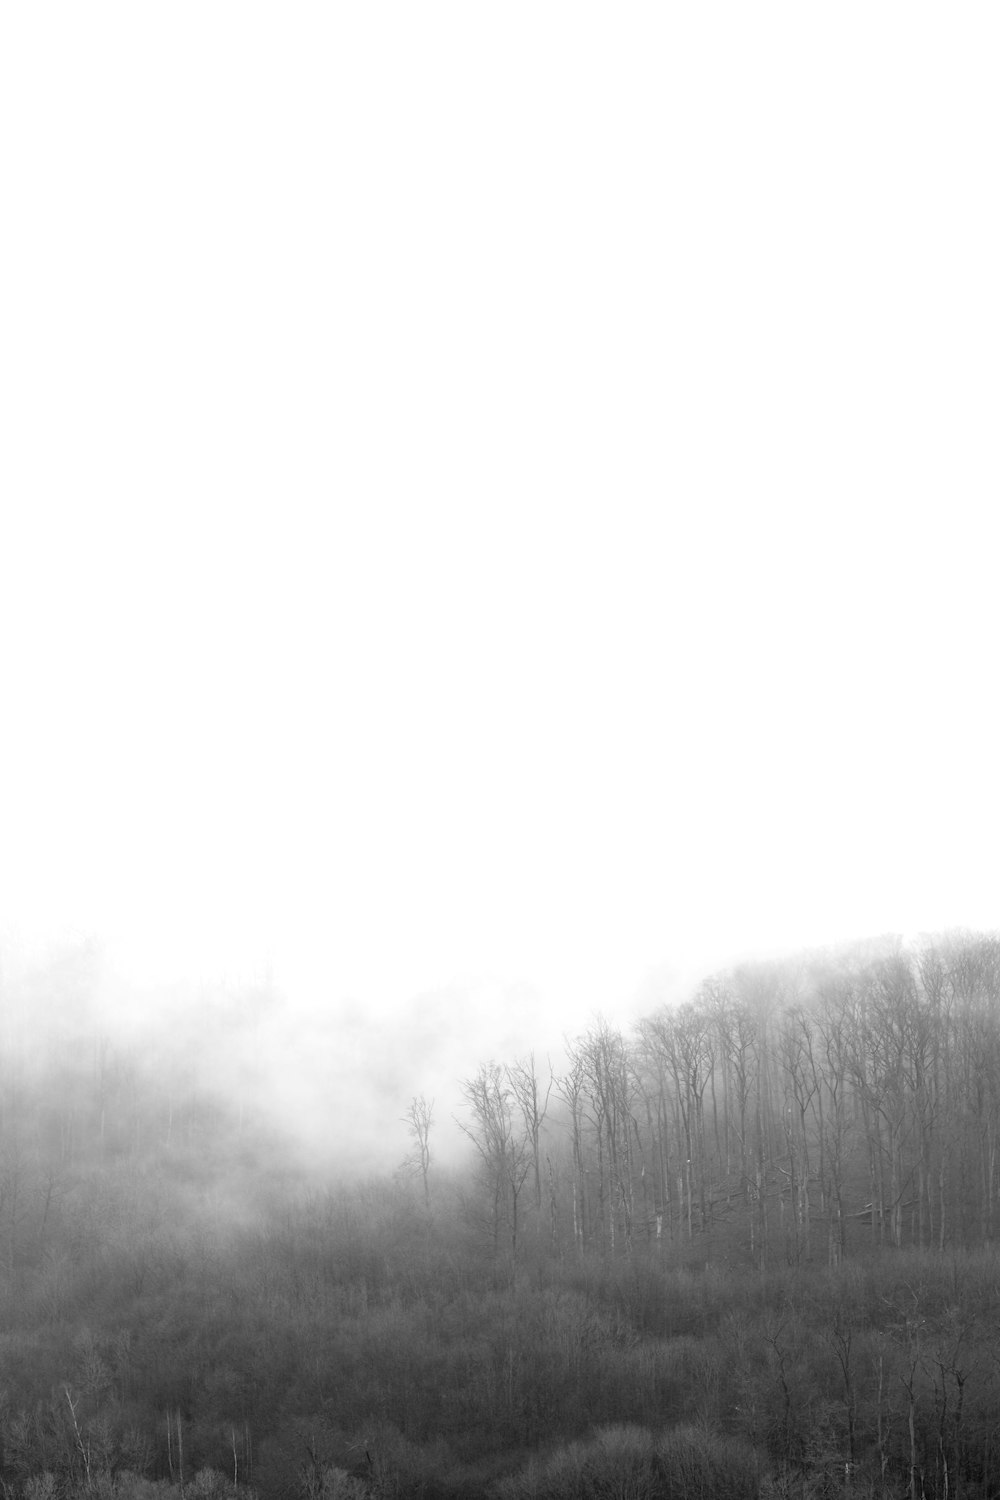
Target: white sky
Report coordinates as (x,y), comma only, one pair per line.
(497,490)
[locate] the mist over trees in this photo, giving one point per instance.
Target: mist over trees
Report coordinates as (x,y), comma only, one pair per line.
(747,1247)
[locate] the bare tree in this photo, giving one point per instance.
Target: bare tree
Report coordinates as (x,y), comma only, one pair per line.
(524,1081)
(571,1090)
(609,1084)
(795,1040)
(503,1146)
(737,1034)
(418,1120)
(832,1026)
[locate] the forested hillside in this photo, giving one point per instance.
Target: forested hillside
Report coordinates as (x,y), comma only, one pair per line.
(748,1248)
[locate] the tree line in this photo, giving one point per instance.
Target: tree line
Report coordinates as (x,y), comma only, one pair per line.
(789,1109)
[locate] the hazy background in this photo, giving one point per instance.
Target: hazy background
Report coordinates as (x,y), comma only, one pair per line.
(497,501)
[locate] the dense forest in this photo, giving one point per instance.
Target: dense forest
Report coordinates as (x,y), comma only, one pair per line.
(747,1249)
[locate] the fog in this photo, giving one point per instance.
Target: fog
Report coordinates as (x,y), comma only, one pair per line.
(497,520)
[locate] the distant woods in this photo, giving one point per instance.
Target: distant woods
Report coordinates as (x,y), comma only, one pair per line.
(788,1111)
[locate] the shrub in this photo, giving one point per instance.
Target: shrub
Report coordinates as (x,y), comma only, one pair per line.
(699,1465)
(339,1485)
(40,1487)
(631,1463)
